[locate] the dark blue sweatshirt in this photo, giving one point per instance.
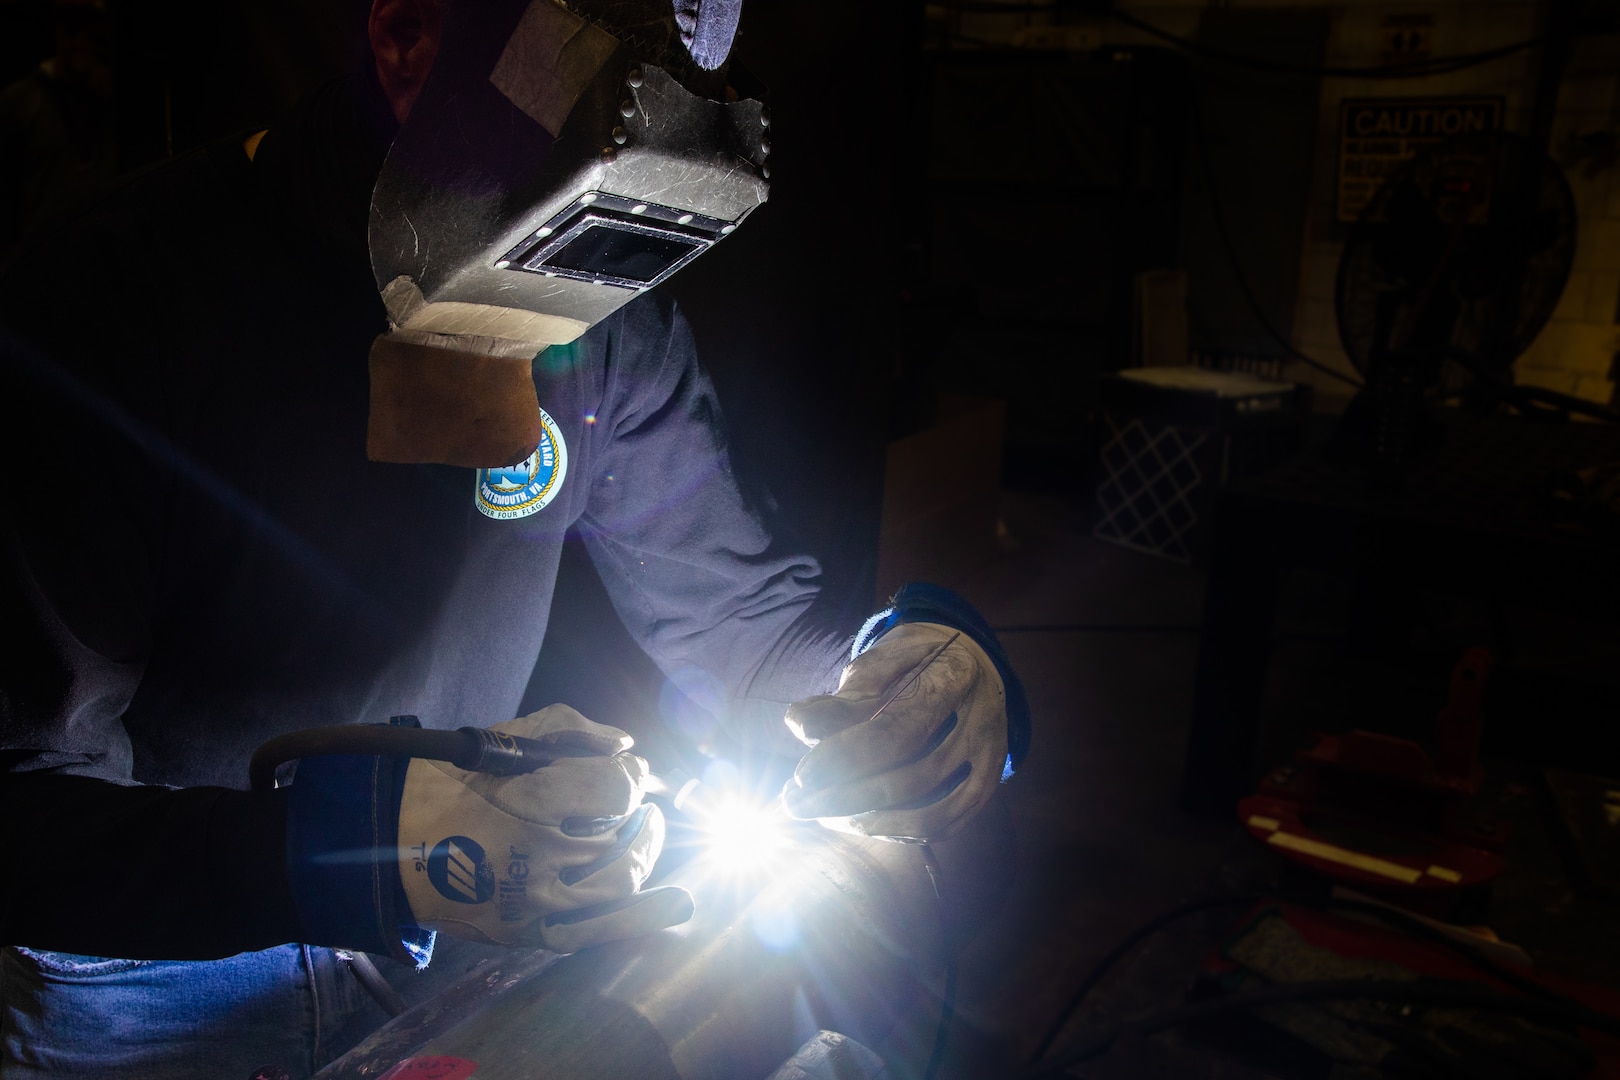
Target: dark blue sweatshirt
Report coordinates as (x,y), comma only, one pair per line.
(199,556)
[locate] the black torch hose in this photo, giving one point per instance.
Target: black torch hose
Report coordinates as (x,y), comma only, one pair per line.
(947,1004)
(474,749)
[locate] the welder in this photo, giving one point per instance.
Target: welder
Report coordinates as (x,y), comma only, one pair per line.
(295,427)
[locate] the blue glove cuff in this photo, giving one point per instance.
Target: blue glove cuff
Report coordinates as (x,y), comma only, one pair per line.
(919,602)
(342,864)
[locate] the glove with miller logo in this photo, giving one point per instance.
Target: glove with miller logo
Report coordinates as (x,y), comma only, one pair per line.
(553,858)
(383,851)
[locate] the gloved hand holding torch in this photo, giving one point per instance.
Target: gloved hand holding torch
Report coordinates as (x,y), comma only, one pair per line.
(554,858)
(927,719)
(549,851)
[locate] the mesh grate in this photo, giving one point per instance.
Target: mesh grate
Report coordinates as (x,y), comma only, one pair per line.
(1145,496)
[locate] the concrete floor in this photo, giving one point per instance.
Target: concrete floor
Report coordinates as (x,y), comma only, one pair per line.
(1106,641)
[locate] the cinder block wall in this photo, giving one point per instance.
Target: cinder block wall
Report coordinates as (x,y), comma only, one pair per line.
(1576,353)
(1356,40)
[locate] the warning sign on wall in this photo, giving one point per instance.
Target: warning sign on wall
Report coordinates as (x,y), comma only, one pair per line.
(1377,134)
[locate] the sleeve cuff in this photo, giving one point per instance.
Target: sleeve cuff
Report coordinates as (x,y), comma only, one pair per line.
(919,602)
(342,863)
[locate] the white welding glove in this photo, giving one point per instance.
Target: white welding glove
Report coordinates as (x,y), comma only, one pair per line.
(924,766)
(553,858)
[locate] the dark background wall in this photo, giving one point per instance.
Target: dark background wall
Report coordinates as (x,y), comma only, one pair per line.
(947,214)
(187,71)
(795,315)
(942,218)
(953,209)
(1051,180)
(1250,134)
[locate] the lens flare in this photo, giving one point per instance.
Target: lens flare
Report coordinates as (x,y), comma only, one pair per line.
(741,837)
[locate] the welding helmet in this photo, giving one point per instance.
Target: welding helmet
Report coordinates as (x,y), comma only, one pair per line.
(561,157)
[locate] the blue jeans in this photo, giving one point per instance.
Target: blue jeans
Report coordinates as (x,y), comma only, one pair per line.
(291,1008)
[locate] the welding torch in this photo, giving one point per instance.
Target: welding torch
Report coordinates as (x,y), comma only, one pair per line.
(690,795)
(472,748)
(488,751)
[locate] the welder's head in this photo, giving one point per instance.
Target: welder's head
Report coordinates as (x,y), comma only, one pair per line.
(405,34)
(554,158)
(404,37)
(83,32)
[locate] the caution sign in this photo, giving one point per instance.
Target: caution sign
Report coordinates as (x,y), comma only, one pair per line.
(1377,134)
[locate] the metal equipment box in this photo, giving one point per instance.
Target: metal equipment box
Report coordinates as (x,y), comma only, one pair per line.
(1171,436)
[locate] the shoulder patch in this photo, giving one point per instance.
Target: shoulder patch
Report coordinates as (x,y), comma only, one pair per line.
(516,491)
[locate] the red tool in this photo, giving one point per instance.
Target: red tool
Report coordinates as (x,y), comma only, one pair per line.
(1387,814)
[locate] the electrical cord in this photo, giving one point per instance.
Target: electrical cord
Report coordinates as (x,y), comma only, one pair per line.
(947,1003)
(1118,952)
(1101,628)
(1565,1008)
(374,983)
(947,1012)
(358,740)
(1217,209)
(471,748)
(1439,65)
(1395,991)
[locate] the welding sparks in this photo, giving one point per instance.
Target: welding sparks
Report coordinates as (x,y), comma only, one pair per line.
(744,843)
(741,836)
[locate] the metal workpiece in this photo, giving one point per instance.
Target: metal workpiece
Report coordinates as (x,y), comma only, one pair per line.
(842,935)
(831,1056)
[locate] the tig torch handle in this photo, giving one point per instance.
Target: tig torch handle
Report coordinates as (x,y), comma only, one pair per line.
(500,754)
(674,785)
(470,748)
